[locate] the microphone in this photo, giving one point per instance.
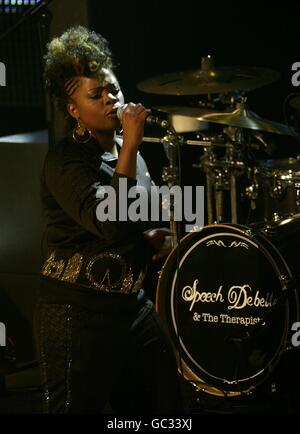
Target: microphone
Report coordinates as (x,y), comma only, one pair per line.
(150,120)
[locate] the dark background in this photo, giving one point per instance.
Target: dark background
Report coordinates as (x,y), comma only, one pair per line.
(149,39)
(162,36)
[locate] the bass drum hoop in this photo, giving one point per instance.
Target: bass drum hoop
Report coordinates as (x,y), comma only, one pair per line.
(284,274)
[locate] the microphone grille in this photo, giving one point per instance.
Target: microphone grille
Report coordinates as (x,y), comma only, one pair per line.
(120,111)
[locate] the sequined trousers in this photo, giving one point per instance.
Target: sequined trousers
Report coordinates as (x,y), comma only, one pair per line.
(94,361)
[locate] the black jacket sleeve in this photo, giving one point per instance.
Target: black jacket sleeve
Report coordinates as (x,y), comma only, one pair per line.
(75,181)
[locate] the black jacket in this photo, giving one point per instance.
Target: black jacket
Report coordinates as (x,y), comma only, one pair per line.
(84,255)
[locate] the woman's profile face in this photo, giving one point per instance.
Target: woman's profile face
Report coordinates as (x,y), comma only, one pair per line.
(95,101)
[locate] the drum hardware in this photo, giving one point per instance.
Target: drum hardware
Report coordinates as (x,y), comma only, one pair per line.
(182,142)
(248,232)
(234,134)
(170,174)
(210,162)
(252,191)
(284,279)
(221,172)
(270,228)
(221,176)
(229,85)
(273,388)
(268,147)
(275,190)
(275,217)
(210,103)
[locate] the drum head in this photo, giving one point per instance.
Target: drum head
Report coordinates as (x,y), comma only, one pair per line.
(220,308)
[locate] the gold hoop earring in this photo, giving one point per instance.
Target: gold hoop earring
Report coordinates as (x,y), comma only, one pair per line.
(80,136)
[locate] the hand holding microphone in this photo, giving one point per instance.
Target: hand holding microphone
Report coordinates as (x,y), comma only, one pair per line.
(133,118)
(150,120)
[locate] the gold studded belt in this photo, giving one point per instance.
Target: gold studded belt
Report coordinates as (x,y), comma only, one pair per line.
(106,271)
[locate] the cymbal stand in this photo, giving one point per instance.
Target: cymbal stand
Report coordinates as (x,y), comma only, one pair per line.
(208,152)
(233,199)
(232,173)
(220,186)
(171,175)
(221,176)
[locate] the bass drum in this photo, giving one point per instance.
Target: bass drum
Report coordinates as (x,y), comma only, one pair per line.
(228,298)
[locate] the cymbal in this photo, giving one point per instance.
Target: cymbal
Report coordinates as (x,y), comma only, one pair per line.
(241,117)
(184,119)
(202,81)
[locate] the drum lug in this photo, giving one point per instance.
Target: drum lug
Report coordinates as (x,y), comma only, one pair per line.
(252,191)
(277,190)
(248,232)
(268,229)
(284,279)
(276,217)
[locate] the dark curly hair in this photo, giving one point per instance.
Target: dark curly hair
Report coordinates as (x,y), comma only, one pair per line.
(78,51)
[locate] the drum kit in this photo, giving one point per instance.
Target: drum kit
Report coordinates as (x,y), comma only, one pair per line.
(228,291)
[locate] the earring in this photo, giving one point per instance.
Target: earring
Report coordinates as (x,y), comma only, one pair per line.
(80,136)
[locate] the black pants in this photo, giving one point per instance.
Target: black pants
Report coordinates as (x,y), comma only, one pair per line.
(90,359)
